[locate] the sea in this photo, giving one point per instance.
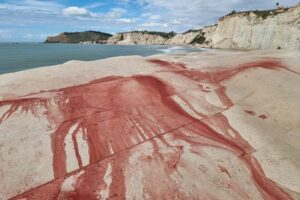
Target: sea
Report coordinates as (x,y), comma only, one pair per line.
(21,56)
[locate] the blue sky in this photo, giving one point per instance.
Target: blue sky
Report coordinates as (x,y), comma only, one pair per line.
(33,20)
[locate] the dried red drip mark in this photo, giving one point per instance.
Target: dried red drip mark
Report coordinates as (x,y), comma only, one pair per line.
(102,109)
(219,75)
(263,116)
(175,157)
(268,188)
(250,112)
(87,185)
(223,124)
(118,186)
(75,145)
(98,109)
(263,183)
(25,104)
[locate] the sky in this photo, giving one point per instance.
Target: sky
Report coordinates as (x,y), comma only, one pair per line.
(34,20)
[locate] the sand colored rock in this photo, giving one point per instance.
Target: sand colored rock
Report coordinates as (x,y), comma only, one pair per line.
(249,31)
(280,29)
(209,125)
(183,38)
(131,38)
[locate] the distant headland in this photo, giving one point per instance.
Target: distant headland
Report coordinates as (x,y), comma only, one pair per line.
(266,29)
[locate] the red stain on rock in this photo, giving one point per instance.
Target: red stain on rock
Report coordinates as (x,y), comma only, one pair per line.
(116,114)
(24,104)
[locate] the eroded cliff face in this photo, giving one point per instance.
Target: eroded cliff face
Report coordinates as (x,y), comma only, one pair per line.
(183,38)
(271,29)
(145,38)
(279,30)
(130,38)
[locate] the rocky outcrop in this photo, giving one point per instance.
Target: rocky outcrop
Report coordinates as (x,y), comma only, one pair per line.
(153,38)
(278,29)
(271,29)
(141,37)
(79,37)
(184,38)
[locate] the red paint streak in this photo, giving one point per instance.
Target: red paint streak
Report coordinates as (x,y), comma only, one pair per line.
(250,112)
(118,187)
(88,184)
(221,92)
(119,113)
(268,188)
(75,145)
(263,116)
(175,158)
(219,74)
(24,104)
(100,101)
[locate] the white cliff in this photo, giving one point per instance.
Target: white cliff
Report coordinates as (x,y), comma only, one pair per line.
(136,37)
(277,29)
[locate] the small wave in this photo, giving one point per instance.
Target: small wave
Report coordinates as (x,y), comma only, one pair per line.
(174,49)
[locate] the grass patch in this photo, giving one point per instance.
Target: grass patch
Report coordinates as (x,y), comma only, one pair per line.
(259,13)
(200,39)
(162,34)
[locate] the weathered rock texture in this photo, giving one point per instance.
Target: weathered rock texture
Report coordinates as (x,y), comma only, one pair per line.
(183,38)
(280,29)
(140,37)
(210,125)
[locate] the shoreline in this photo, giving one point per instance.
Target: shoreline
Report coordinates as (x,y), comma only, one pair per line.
(32,55)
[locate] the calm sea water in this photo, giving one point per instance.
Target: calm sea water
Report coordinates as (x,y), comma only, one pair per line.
(21,56)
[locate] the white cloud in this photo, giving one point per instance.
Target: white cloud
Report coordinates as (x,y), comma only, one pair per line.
(181,15)
(116,13)
(75,11)
(153,17)
(154,24)
(32,17)
(126,20)
(32,6)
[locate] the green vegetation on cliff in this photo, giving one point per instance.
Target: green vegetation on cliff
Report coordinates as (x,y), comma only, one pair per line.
(162,34)
(259,13)
(77,37)
(192,31)
(199,39)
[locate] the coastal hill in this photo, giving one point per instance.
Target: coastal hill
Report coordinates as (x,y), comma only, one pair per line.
(141,37)
(268,29)
(77,37)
